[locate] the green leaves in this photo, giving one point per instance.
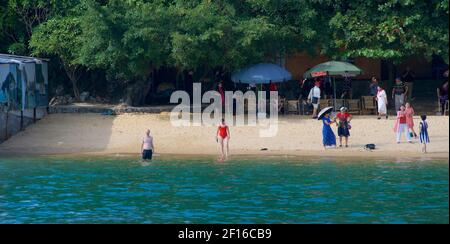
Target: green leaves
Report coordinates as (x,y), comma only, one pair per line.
(59,36)
(391,29)
(132,38)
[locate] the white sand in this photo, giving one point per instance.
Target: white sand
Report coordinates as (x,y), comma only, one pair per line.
(92,133)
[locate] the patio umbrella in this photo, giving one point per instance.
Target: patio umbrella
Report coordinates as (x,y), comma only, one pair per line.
(333,68)
(261,74)
(324,111)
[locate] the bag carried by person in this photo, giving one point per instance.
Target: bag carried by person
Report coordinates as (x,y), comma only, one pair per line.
(315,100)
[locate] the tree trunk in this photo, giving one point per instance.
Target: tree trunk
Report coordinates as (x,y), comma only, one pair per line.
(392,72)
(148,89)
(76,91)
(6,125)
(73,74)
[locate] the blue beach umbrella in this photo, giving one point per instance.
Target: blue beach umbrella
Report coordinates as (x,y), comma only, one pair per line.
(261,74)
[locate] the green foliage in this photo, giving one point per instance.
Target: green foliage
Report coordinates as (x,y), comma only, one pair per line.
(59,36)
(391,29)
(131,39)
(128,38)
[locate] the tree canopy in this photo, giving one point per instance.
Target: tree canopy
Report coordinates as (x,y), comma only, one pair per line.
(131,40)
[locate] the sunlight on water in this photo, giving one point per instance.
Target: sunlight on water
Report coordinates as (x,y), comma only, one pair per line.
(274,190)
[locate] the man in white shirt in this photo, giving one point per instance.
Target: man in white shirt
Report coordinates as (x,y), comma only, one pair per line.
(147,147)
(314,98)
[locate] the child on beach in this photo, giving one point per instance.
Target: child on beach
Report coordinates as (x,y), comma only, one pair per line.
(223,137)
(343,125)
(401,125)
(424,138)
(147,147)
(410,118)
(329,139)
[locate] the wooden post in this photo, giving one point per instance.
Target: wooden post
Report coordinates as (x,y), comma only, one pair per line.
(34,115)
(21,119)
(6,125)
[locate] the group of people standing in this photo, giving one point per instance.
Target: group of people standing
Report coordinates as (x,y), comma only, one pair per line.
(342,121)
(405,125)
(401,92)
(401,95)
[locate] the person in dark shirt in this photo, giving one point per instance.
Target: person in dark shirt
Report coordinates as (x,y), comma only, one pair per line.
(328,87)
(305,87)
(442,92)
(373,87)
(408,78)
(347,89)
(273,87)
(399,92)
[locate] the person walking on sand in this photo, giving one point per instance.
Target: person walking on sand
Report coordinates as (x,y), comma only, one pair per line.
(382,102)
(410,118)
(344,118)
(424,138)
(223,137)
(147,146)
(314,98)
(401,126)
(329,139)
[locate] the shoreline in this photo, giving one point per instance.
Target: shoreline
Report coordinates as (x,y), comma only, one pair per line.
(326,155)
(98,135)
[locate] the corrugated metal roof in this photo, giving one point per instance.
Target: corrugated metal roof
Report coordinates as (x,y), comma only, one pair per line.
(8,59)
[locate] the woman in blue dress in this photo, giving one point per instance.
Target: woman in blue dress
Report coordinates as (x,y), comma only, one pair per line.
(329,139)
(424,138)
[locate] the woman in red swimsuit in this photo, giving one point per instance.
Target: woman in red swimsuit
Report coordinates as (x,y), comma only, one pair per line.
(223,137)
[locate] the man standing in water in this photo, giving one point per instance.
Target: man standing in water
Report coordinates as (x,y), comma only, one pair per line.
(147,147)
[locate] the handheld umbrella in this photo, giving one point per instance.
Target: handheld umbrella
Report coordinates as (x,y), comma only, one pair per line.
(324,111)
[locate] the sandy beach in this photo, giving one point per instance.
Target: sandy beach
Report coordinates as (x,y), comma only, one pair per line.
(97,134)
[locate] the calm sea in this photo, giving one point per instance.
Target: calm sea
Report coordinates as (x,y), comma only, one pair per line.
(199,190)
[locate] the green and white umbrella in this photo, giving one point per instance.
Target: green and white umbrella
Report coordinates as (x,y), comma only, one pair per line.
(333,68)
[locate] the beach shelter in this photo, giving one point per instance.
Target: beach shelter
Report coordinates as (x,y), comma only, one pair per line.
(23,82)
(261,74)
(333,69)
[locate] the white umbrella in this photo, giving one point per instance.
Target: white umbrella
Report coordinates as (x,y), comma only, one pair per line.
(324,111)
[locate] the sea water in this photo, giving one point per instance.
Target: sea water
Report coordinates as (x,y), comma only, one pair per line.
(199,190)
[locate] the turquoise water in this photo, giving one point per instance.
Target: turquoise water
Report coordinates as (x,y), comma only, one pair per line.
(274,190)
